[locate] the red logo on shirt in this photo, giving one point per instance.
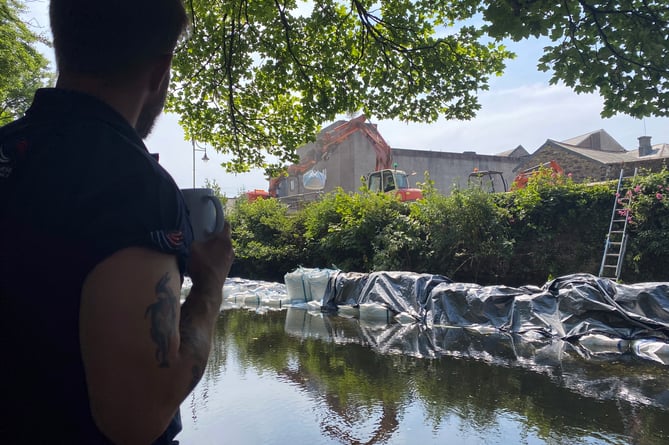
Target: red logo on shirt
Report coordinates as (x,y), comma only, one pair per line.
(21,147)
(175,238)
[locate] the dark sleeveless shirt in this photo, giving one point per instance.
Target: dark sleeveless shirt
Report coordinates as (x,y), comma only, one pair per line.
(77,184)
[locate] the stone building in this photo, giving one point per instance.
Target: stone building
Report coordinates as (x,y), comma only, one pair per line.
(596,156)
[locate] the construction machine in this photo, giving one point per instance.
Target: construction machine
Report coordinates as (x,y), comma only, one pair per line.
(328,140)
(257,194)
(522,178)
(490,181)
(393,181)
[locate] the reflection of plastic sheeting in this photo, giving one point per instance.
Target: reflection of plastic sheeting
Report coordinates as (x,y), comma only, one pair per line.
(559,359)
(652,349)
(301,323)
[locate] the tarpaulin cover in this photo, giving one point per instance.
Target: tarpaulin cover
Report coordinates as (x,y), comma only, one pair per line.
(429,315)
(567,307)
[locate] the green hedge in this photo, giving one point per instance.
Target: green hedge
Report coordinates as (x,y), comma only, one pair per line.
(550,228)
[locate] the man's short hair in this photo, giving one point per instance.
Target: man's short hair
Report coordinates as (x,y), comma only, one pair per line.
(110,37)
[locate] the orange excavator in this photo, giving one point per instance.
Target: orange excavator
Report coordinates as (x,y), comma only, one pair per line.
(329,139)
(393,181)
(522,178)
(490,181)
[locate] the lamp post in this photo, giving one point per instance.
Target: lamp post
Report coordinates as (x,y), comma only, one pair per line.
(205,158)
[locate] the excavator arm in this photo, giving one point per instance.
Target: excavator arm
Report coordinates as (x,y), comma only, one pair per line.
(340,133)
(329,139)
(521,179)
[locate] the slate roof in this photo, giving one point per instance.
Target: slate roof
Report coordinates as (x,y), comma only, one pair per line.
(599,146)
(660,151)
(517,152)
(596,140)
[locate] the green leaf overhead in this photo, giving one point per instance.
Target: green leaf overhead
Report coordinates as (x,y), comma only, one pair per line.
(258,79)
(619,48)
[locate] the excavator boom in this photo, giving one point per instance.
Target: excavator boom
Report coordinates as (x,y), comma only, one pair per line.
(330,138)
(522,178)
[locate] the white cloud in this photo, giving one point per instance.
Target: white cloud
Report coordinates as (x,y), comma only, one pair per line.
(524,115)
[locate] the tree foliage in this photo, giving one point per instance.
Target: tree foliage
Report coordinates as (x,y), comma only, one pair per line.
(615,47)
(259,78)
(23,68)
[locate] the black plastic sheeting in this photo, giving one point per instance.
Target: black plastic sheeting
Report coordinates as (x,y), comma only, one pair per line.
(566,307)
(598,338)
(571,308)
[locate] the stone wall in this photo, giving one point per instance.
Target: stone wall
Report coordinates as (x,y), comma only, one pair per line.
(647,165)
(582,169)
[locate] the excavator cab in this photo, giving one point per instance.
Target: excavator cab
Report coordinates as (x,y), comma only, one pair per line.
(489,181)
(393,181)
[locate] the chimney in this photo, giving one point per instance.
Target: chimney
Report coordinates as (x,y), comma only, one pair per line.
(645,148)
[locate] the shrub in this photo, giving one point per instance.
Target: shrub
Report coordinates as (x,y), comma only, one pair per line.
(267,240)
(467,235)
(550,228)
(342,228)
(559,227)
(647,256)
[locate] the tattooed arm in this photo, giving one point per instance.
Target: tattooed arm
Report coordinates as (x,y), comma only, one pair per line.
(143,352)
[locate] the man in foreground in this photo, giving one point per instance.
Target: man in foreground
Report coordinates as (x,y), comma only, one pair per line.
(95,241)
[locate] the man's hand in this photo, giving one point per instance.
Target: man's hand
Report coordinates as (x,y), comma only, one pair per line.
(208,268)
(210,260)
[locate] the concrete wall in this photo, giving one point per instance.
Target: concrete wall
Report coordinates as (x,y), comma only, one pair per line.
(344,165)
(451,170)
(355,158)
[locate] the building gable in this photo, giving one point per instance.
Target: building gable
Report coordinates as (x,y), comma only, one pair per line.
(518,152)
(598,140)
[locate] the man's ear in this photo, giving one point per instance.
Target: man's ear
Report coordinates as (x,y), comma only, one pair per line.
(160,70)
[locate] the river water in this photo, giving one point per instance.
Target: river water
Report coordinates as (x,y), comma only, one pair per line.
(288,376)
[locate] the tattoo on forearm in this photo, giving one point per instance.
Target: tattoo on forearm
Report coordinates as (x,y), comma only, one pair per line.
(163,317)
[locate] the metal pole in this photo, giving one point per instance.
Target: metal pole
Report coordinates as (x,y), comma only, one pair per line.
(193,141)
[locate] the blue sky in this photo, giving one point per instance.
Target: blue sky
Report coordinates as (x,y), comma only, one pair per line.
(520,108)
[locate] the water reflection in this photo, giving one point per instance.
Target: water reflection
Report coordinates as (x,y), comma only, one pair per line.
(293,377)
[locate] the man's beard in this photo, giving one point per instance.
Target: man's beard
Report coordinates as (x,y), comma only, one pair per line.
(151,110)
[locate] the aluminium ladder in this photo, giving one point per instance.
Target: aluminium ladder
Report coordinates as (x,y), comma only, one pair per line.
(616,239)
